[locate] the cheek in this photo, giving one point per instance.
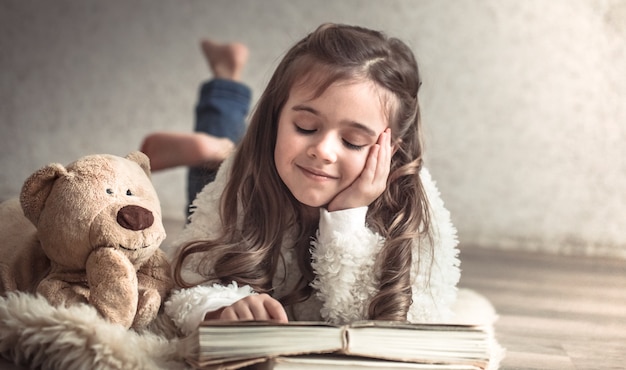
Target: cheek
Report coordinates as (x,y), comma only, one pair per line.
(283,145)
(353,165)
(279,157)
(282,153)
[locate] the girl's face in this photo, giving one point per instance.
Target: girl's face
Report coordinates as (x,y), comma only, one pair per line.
(322,143)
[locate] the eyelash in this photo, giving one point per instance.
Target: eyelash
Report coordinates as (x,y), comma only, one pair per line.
(303,131)
(345,143)
(352,146)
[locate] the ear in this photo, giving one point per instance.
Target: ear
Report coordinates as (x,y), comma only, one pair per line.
(141,159)
(37,188)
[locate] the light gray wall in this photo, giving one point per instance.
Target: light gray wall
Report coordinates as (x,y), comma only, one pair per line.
(523,101)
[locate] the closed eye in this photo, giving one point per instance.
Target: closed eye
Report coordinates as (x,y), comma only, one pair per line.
(351,146)
(304,131)
(346,143)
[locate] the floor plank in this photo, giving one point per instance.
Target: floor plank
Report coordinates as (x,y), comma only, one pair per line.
(556,312)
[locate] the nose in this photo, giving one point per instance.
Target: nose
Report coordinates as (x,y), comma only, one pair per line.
(135,218)
(324,149)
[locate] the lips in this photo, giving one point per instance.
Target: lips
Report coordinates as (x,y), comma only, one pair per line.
(316,174)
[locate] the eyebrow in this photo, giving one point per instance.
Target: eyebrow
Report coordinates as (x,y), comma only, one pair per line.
(357,125)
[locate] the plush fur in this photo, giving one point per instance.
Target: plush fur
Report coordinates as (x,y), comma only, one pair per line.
(35,334)
(88,233)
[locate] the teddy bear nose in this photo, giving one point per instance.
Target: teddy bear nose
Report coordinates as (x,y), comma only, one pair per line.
(134,218)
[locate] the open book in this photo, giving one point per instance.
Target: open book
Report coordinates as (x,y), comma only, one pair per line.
(232,345)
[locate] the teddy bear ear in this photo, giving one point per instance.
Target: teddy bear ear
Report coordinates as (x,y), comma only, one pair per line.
(141,159)
(37,188)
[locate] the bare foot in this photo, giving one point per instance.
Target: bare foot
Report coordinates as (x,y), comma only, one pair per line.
(225,60)
(172,149)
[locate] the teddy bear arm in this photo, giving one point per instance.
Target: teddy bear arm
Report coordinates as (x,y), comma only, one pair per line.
(148,306)
(156,274)
(154,284)
(113,283)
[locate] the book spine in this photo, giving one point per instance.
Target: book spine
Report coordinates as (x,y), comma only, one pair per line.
(345,339)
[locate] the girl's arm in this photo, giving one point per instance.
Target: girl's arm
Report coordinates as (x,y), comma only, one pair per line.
(188,307)
(343,260)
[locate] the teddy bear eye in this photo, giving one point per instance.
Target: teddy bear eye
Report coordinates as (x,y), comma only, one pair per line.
(128,192)
(109,191)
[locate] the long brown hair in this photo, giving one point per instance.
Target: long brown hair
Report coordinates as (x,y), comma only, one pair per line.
(257,208)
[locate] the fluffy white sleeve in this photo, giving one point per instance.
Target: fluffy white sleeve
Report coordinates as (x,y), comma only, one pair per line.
(187,307)
(343,261)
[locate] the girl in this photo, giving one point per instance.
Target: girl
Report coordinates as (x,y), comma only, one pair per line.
(324,212)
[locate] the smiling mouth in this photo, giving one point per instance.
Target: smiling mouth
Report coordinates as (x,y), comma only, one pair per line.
(318,175)
(132,249)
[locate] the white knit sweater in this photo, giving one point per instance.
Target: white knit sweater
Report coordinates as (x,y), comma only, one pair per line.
(343,261)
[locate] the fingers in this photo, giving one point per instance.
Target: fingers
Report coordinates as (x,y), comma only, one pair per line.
(384,155)
(368,175)
(378,163)
(276,311)
(260,307)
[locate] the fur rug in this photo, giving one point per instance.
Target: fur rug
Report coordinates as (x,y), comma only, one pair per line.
(35,334)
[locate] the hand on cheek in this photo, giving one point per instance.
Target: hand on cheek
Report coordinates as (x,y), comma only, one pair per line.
(372,181)
(260,307)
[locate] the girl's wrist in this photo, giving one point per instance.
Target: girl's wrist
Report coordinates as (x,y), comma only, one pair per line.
(345,219)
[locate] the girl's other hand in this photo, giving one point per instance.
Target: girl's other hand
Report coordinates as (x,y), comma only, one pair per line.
(373,179)
(260,307)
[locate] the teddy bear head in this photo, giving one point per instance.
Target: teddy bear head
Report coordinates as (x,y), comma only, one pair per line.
(98,201)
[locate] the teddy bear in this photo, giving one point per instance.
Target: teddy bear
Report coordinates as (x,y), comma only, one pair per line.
(88,233)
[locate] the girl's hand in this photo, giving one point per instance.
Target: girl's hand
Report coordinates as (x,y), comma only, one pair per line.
(260,307)
(373,179)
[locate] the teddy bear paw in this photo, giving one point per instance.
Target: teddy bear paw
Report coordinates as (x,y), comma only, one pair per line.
(147,308)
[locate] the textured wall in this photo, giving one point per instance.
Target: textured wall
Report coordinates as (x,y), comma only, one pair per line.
(523,100)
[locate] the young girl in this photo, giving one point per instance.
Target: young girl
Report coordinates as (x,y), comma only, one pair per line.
(325,211)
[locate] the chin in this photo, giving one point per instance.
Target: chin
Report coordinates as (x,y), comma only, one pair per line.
(312,202)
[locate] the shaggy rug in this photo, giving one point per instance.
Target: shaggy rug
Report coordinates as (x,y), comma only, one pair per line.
(35,334)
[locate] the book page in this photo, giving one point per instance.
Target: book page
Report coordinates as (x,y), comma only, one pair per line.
(230,342)
(249,341)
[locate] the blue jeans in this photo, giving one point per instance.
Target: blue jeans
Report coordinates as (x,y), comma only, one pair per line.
(221,111)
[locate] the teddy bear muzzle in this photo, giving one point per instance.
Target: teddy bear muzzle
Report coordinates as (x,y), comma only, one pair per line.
(135,218)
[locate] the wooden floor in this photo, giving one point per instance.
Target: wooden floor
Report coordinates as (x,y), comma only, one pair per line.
(555,312)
